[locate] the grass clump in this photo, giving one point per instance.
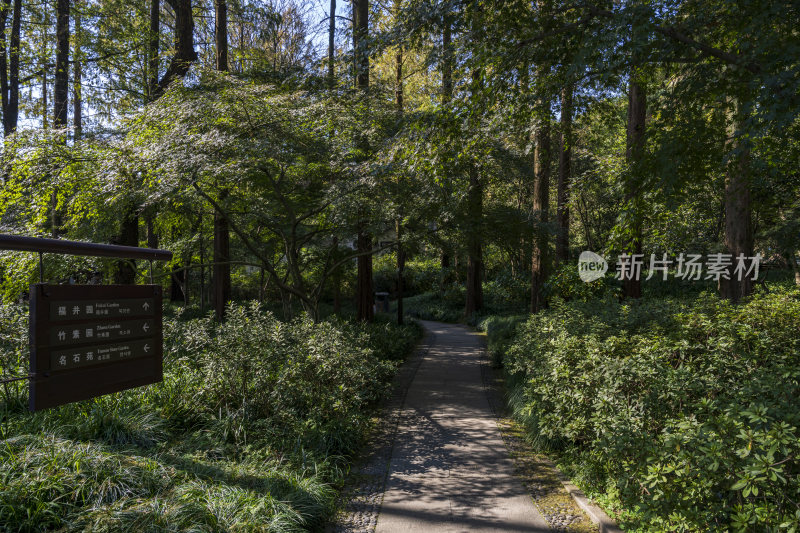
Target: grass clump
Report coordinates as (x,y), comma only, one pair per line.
(251,430)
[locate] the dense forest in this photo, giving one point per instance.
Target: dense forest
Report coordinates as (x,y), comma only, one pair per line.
(325,173)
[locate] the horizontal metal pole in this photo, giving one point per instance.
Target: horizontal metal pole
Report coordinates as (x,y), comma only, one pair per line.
(57,246)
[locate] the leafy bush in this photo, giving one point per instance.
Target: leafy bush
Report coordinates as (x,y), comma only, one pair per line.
(250,429)
(501,296)
(566,284)
(445,306)
(684,410)
(501,332)
(419,275)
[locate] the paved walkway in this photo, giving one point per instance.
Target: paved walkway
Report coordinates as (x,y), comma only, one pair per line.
(450,471)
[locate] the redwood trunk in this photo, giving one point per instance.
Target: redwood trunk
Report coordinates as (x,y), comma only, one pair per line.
(221,34)
(332,45)
(222,268)
(541,204)
(4,9)
(637,113)
(447,95)
(364,288)
(77,75)
(155,22)
(222,246)
(401,265)
(11,113)
(474,301)
(564,174)
(61,85)
(185,54)
(738,214)
(401,254)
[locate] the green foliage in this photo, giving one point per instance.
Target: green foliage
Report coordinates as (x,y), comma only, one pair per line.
(446,306)
(500,332)
(566,284)
(684,409)
(503,295)
(420,275)
(52,483)
(250,430)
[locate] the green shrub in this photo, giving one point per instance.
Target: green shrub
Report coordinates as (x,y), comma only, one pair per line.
(502,296)
(500,332)
(250,430)
(441,307)
(565,284)
(685,410)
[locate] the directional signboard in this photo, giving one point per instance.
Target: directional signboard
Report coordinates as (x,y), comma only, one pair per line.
(90,340)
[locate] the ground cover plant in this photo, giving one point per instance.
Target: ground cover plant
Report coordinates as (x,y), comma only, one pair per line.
(681,411)
(251,430)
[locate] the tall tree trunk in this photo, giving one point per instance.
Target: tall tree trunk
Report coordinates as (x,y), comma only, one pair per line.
(184,54)
(203,265)
(564,174)
(401,265)
(45,59)
(541,205)
(178,285)
(738,211)
(221,34)
(61,85)
(332,46)
(637,113)
(337,281)
(447,63)
(5,7)
(474,298)
(364,288)
(360,33)
(222,251)
(447,96)
(11,113)
(77,77)
(401,254)
(222,267)
(152,49)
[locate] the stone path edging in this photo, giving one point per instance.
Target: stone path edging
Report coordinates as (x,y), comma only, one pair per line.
(604,522)
(598,516)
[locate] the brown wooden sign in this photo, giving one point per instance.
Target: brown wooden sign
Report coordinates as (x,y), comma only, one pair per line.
(90,340)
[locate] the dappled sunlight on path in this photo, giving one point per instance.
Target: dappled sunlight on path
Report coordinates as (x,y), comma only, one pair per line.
(450,469)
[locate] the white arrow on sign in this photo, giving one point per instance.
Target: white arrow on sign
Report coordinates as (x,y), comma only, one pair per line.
(146,348)
(146,306)
(145,327)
